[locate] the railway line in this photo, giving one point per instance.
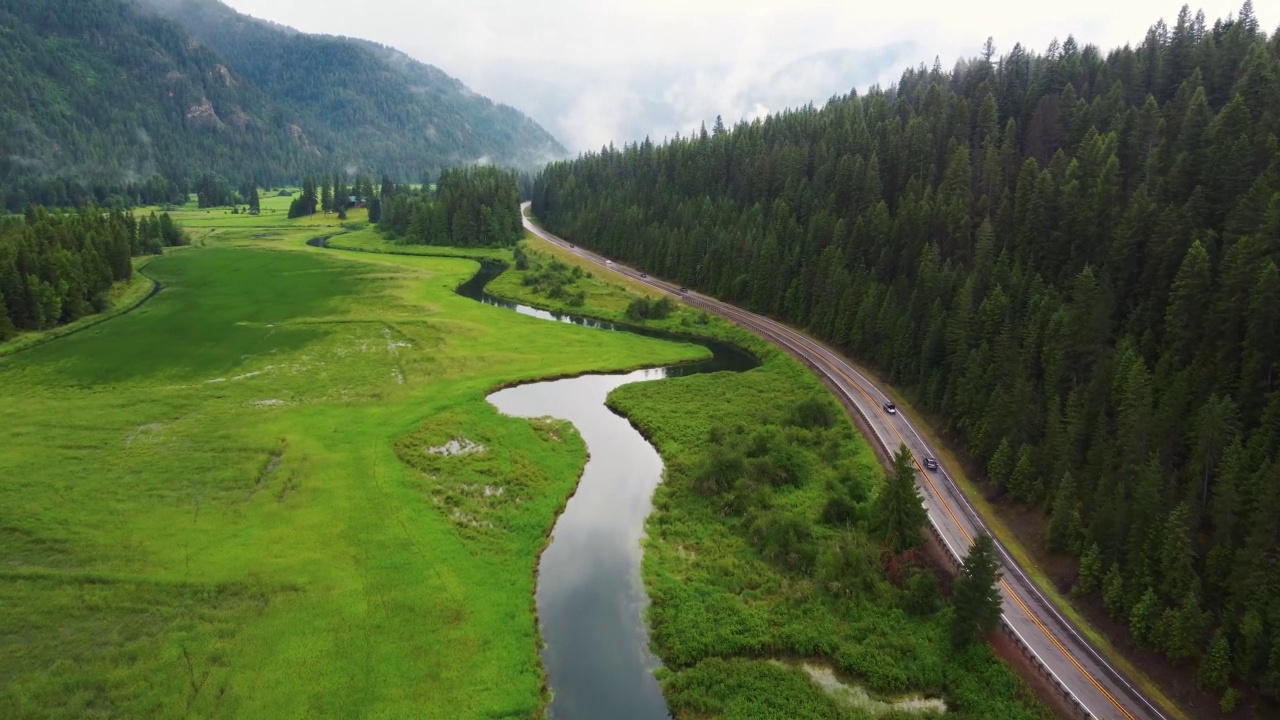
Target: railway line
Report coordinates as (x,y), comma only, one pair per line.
(1090,684)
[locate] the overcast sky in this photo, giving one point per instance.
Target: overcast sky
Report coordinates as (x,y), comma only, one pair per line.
(593,72)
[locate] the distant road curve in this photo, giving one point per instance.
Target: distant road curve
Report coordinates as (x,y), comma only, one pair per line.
(1091,685)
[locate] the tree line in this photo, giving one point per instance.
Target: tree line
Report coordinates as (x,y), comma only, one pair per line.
(1069,256)
(55,268)
(470,207)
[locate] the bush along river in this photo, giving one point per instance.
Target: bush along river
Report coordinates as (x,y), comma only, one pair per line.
(590,596)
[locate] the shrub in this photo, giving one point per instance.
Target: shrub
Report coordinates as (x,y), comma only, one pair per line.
(923,593)
(784,539)
(718,471)
(813,412)
(642,308)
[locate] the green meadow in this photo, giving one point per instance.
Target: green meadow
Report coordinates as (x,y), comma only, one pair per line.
(241,499)
(232,501)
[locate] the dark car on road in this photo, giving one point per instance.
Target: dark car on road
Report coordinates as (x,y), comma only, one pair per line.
(930,464)
(890,408)
(644,276)
(684,290)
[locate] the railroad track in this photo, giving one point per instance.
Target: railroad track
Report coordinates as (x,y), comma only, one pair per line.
(1089,683)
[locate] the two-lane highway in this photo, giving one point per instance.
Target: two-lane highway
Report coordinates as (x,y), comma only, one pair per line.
(1091,684)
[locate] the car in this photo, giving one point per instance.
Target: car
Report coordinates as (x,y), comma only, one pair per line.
(891,408)
(608,262)
(930,464)
(684,290)
(644,276)
(572,246)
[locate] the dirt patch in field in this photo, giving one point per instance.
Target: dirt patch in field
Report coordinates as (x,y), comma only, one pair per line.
(457,446)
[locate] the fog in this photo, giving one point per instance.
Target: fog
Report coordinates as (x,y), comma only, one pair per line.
(594,73)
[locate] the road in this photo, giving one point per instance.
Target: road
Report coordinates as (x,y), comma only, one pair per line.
(1084,677)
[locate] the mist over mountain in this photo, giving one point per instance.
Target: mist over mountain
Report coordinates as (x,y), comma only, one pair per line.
(375,105)
(590,107)
(114,99)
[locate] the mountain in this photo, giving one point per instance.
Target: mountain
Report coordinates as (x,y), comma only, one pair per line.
(376,107)
(98,96)
(107,100)
(1069,260)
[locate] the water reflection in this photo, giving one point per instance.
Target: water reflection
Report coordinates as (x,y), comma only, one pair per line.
(589,595)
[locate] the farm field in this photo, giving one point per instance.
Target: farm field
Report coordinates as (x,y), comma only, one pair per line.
(204,511)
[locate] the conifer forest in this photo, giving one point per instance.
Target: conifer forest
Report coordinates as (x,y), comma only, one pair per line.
(1068,256)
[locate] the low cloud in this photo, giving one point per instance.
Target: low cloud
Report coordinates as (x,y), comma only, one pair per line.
(594,73)
(589,108)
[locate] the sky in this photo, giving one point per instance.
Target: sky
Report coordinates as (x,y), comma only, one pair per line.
(595,72)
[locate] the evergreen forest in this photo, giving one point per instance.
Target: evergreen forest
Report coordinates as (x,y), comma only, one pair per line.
(1069,256)
(56,268)
(369,105)
(470,207)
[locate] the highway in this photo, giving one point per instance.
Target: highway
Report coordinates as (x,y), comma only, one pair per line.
(1087,681)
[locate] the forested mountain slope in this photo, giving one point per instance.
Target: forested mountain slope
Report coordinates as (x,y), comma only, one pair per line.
(104,97)
(99,95)
(375,106)
(1070,256)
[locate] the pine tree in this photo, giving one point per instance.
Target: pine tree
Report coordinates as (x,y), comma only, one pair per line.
(1113,592)
(977,599)
(1090,578)
(1183,628)
(899,512)
(1023,481)
(309,199)
(1001,464)
(1184,320)
(341,198)
(1064,523)
(255,203)
(1144,620)
(1215,669)
(1177,554)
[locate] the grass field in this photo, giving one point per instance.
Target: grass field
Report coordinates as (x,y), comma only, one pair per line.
(226,503)
(204,511)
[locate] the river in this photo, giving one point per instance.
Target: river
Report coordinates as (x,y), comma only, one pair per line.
(589,595)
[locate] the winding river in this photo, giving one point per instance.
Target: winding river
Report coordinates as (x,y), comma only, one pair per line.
(590,596)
